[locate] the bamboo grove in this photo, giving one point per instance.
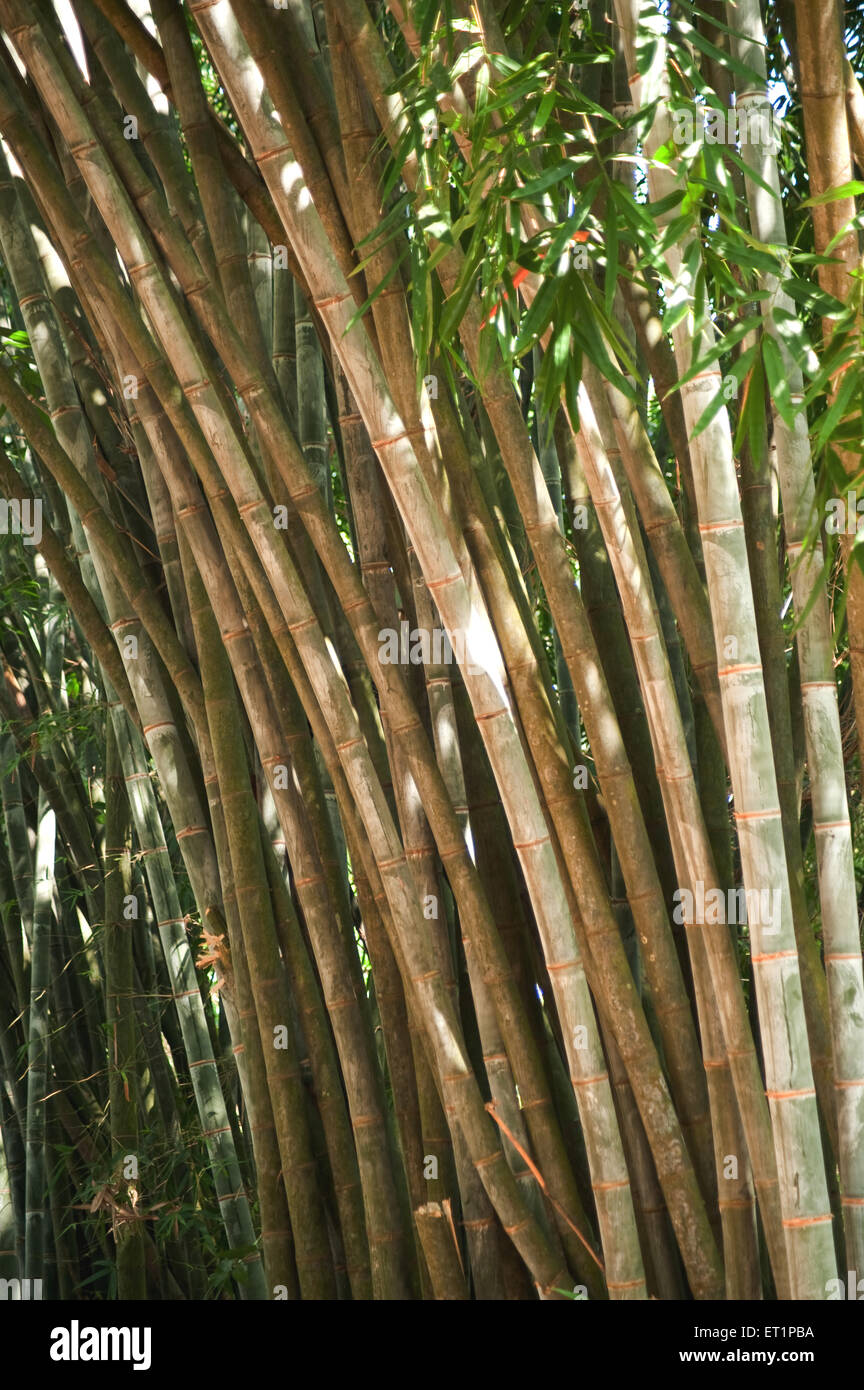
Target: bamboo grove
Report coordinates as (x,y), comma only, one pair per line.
(433,649)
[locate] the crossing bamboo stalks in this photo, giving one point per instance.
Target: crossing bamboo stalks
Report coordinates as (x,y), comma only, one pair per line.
(569,618)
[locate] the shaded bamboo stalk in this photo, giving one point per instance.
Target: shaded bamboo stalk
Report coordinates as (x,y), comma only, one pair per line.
(441,1252)
(119,990)
(818,686)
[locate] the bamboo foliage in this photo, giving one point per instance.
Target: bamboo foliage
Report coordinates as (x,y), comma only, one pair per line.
(427,738)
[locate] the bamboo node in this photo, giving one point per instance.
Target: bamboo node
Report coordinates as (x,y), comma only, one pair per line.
(435,584)
(792,1222)
(84,148)
(298,627)
(733,524)
(495,714)
(791,1095)
(334,299)
(745,669)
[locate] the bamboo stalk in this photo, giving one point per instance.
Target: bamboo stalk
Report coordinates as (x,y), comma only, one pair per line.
(119,985)
(804,1201)
(818,687)
(441,1251)
(35,1234)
